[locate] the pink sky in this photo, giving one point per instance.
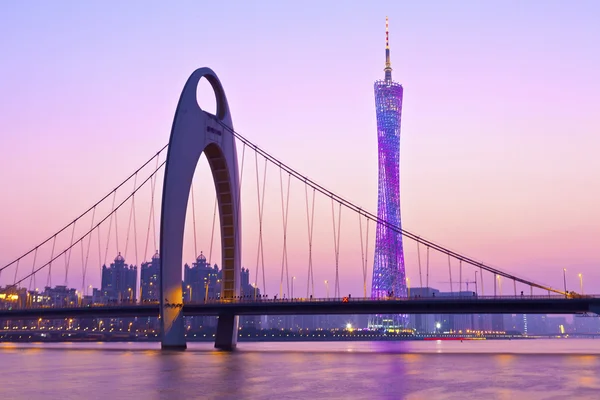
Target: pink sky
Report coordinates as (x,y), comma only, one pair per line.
(500,128)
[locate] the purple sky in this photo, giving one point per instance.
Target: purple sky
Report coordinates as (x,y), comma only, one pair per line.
(500,128)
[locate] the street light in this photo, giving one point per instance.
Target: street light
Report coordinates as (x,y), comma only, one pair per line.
(293,279)
(327,288)
(565,280)
(408,286)
(581,283)
(189,288)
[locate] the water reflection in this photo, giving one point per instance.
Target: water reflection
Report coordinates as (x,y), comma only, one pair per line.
(359,370)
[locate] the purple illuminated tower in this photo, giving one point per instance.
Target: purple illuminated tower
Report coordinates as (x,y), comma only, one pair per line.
(388,269)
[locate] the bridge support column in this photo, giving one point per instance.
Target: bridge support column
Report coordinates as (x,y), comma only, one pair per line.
(173,334)
(227,332)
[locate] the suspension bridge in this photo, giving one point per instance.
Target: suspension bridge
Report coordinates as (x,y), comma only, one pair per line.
(88,239)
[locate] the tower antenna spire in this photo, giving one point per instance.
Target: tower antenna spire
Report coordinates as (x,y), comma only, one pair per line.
(387,33)
(388,63)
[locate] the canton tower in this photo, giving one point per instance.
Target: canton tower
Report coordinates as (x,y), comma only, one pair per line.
(389,278)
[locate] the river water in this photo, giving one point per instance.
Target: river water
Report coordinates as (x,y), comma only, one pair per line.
(486,369)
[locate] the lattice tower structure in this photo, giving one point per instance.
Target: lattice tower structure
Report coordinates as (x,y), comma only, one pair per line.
(389,276)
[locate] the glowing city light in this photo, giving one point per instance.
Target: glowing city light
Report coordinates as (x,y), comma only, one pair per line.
(389,278)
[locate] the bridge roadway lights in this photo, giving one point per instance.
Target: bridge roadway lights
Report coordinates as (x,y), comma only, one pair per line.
(195,132)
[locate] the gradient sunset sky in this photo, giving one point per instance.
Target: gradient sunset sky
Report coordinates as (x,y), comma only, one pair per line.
(500,148)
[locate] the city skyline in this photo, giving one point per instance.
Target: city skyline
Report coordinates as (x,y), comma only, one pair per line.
(487,169)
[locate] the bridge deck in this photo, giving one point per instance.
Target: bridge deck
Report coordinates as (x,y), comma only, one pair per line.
(512,305)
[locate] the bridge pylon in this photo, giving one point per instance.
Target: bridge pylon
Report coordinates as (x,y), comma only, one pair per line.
(195,132)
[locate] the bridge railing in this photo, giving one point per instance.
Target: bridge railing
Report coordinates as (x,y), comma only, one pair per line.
(267,300)
(366,299)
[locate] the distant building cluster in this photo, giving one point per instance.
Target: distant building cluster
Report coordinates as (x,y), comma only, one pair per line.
(202,280)
(119,284)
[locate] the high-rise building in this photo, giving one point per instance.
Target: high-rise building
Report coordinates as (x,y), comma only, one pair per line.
(150,279)
(119,281)
(201,279)
(388,268)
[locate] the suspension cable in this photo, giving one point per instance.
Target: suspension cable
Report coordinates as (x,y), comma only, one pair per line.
(117,248)
(150,214)
(427,267)
(237,228)
(450,273)
(419,261)
(237,232)
(460,281)
(363,260)
(68,257)
(375,218)
(33,267)
(131,209)
(212,232)
(16,272)
(261,205)
(82,252)
(481,275)
(153,185)
(49,279)
(336,246)
(284,212)
(87,211)
(366,259)
(87,233)
(87,256)
(109,227)
(310,283)
(83,265)
(262,212)
(99,234)
(135,247)
(194,222)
